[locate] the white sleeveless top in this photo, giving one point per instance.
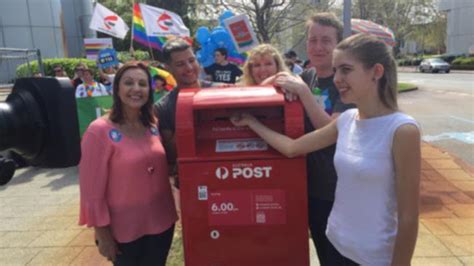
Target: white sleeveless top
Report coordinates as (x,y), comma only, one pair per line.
(363,221)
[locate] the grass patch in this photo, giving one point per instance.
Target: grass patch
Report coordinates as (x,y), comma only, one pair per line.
(406,87)
(176,255)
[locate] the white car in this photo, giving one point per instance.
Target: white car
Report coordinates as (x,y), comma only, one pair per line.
(434,65)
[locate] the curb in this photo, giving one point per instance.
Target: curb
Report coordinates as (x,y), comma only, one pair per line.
(410,89)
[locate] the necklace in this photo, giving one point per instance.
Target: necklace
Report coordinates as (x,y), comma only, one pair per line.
(150,168)
(138,136)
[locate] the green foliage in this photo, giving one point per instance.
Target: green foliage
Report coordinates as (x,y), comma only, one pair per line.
(68,65)
(139,55)
(176,254)
(463,61)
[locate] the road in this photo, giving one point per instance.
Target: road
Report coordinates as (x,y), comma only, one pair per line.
(444,107)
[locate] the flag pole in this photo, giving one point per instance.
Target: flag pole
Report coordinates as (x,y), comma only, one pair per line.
(132,51)
(147,38)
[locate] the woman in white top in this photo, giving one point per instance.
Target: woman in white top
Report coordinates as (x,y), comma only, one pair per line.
(374,220)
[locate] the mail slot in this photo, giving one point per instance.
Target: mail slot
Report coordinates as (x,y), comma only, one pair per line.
(242,202)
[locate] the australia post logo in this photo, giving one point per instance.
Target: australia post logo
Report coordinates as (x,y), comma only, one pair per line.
(109,21)
(243,171)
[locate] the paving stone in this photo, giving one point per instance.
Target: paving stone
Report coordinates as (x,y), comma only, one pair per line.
(437,227)
(90,256)
(438,164)
(464,185)
(435,211)
(16,224)
(459,245)
(439,185)
(56,256)
(469,193)
(432,175)
(433,153)
(462,210)
(422,229)
(425,165)
(53,223)
(467,260)
(18,238)
(55,238)
(461,226)
(456,175)
(84,238)
(16,256)
(462,197)
(436,261)
(437,198)
(430,246)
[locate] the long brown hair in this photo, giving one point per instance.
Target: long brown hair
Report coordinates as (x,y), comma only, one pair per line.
(369,50)
(147,116)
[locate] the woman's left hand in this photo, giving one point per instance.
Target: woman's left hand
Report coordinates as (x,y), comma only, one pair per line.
(293,86)
(241,119)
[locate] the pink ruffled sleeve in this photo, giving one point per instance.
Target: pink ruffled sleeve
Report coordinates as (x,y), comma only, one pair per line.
(93,178)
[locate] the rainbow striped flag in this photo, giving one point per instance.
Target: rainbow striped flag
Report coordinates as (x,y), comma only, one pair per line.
(92,46)
(139,31)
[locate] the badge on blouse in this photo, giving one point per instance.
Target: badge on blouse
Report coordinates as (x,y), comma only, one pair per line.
(115,135)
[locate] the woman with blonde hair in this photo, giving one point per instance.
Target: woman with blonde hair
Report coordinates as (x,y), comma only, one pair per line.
(263,62)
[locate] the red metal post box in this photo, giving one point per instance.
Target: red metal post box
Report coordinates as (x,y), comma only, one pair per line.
(242,202)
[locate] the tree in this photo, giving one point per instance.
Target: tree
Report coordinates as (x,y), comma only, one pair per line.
(431,36)
(272,17)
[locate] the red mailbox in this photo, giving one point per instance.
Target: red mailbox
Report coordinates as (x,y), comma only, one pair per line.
(242,202)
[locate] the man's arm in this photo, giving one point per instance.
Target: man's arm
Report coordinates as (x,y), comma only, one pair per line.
(169,143)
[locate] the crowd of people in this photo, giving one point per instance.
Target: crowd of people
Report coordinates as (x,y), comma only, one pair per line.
(362,192)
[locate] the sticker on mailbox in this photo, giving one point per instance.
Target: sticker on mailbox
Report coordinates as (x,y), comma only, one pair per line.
(247,207)
(236,145)
(202,192)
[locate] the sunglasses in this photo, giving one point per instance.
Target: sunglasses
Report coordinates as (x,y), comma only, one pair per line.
(79,69)
(58,70)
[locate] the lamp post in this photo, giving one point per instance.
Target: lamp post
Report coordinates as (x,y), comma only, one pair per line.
(347,18)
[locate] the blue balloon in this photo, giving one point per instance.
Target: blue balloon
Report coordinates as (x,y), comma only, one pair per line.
(220,37)
(209,61)
(202,35)
(218,28)
(199,56)
(225,15)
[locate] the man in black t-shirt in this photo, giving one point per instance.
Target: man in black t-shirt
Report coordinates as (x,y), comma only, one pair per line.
(222,70)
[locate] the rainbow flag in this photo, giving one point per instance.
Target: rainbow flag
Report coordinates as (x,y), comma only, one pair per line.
(170,81)
(139,32)
(92,46)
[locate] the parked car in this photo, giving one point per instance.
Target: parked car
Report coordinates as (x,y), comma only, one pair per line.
(434,65)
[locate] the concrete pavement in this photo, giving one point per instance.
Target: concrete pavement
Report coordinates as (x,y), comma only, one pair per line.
(39,209)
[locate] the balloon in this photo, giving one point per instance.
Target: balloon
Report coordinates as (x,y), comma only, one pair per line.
(226,14)
(202,35)
(208,61)
(220,37)
(219,28)
(199,56)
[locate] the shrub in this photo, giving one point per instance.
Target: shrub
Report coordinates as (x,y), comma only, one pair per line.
(68,65)
(464,61)
(139,55)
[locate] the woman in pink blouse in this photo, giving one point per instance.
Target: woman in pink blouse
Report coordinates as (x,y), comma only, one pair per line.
(125,191)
